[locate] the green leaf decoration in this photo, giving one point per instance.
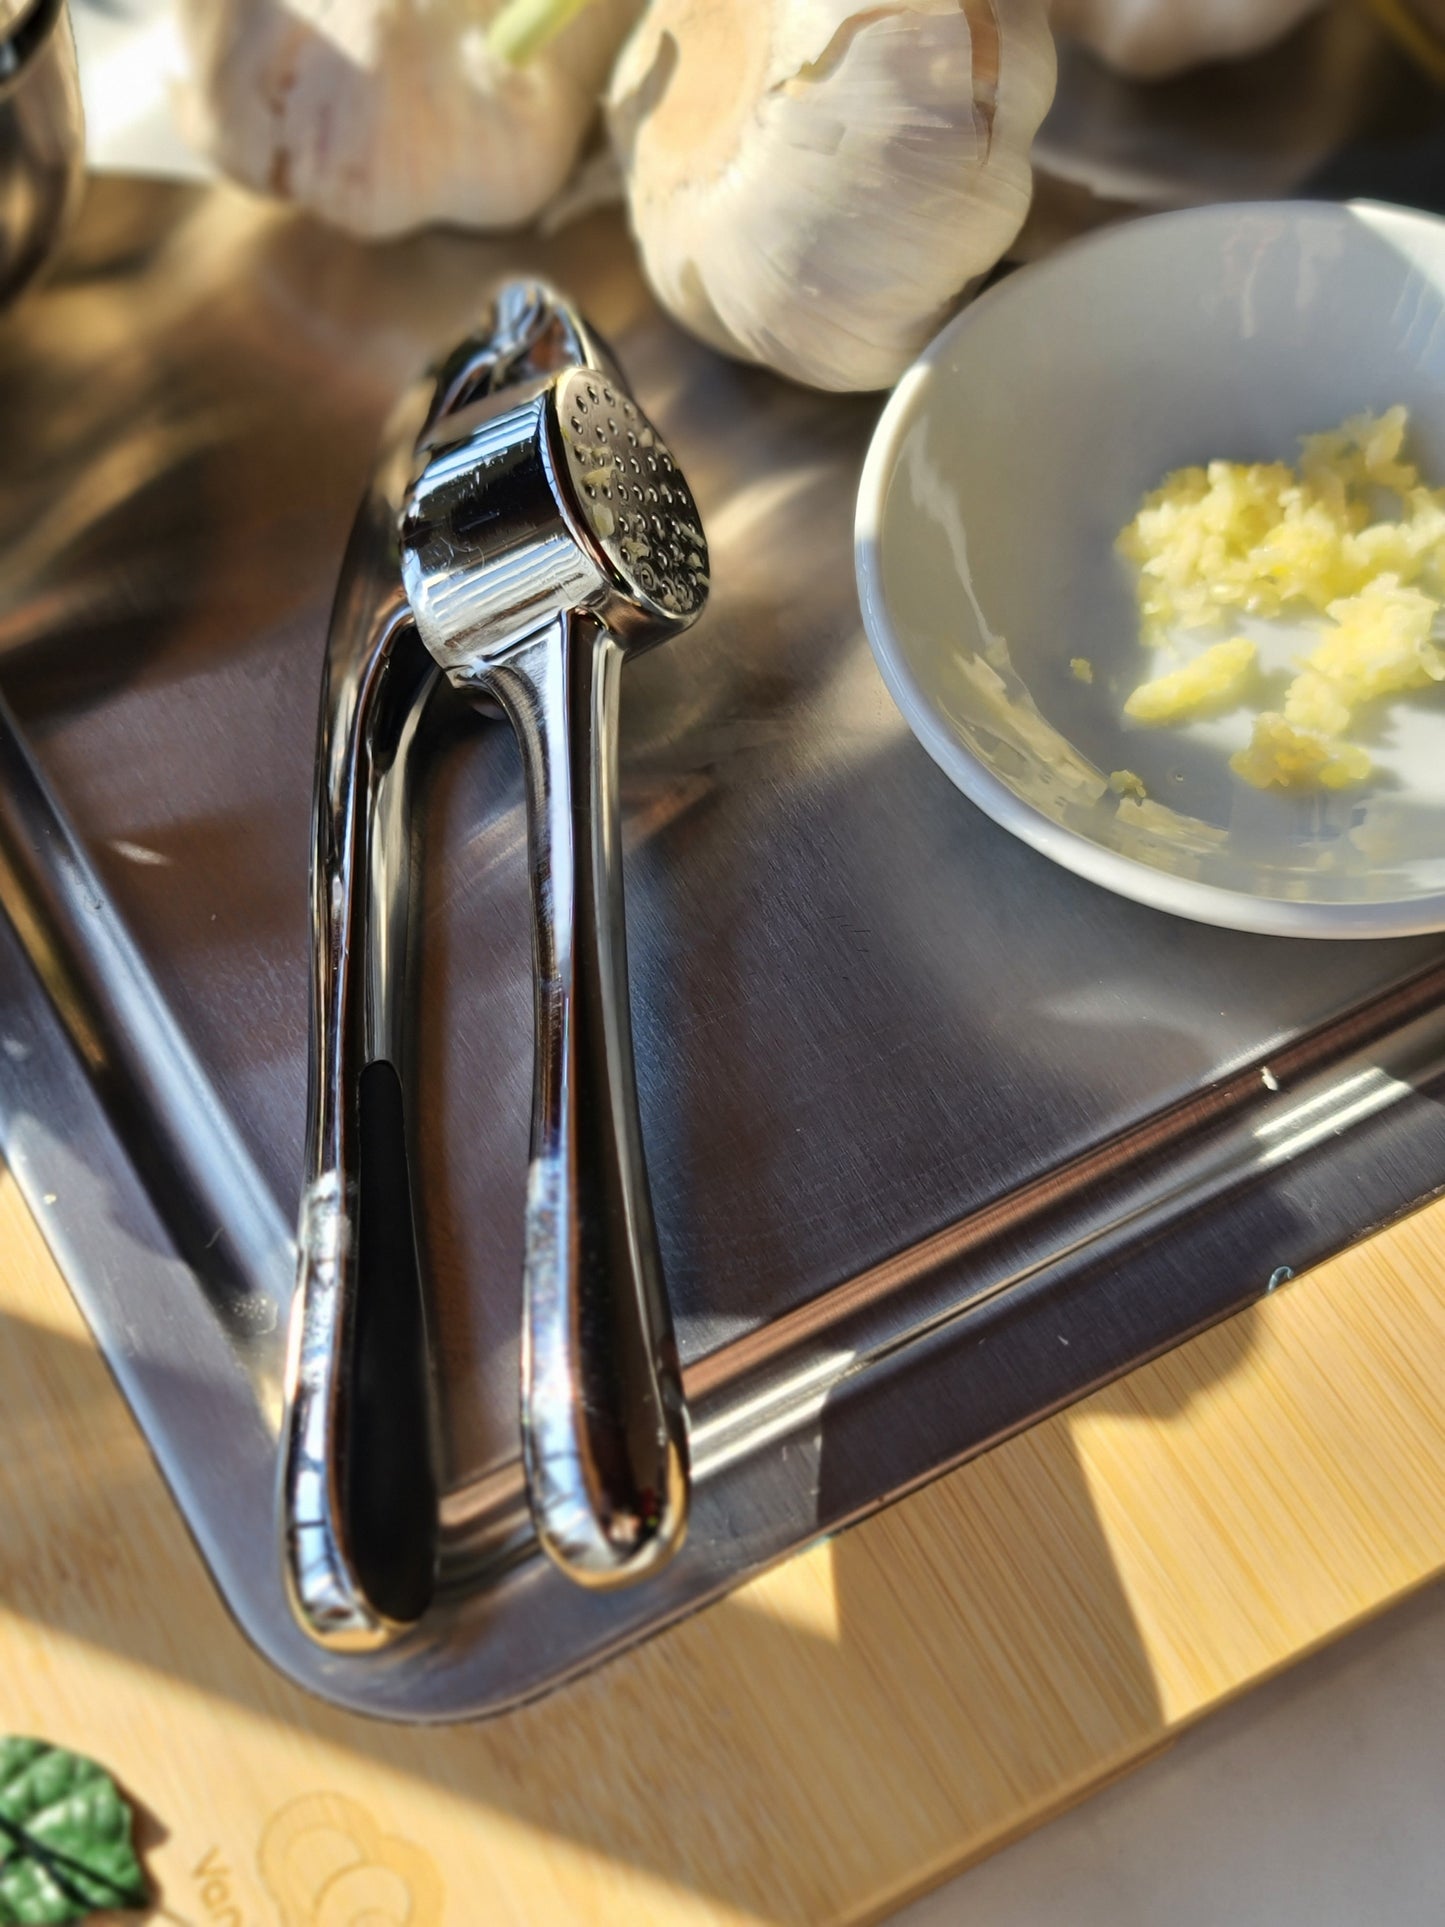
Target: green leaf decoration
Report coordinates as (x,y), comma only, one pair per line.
(65,1838)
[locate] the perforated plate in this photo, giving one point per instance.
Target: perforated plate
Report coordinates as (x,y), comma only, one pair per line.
(634,495)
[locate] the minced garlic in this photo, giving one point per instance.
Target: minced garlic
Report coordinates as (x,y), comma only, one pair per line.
(1123,782)
(1269,541)
(1210,683)
(1083,669)
(1279,756)
(1379,645)
(1257,536)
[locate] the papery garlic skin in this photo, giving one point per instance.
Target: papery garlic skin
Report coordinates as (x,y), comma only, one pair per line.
(1152,39)
(382,116)
(812,183)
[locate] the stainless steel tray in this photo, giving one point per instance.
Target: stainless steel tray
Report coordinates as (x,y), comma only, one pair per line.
(940,1136)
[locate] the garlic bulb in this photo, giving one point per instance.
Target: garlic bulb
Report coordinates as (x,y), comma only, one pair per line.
(813,182)
(1153,38)
(384,115)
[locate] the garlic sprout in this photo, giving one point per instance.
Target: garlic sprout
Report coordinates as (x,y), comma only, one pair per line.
(1154,38)
(812,183)
(386,115)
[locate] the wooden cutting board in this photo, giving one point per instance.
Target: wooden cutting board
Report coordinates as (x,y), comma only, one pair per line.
(829,1740)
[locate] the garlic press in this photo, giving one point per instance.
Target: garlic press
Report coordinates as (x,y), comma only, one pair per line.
(525,529)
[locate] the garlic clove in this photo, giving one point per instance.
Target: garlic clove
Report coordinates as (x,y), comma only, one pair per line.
(382,116)
(1152,39)
(812,183)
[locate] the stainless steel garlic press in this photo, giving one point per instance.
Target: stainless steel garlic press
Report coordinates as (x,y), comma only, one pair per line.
(525,529)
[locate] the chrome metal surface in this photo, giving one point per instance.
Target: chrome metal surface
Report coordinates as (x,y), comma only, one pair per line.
(1330,109)
(42,137)
(553,537)
(359,1480)
(938,1137)
(347,1592)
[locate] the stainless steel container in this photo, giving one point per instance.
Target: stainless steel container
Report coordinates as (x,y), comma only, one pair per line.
(42,136)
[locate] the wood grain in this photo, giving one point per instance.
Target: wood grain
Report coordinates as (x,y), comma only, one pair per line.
(836,1735)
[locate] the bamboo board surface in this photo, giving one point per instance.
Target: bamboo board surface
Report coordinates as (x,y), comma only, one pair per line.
(835,1736)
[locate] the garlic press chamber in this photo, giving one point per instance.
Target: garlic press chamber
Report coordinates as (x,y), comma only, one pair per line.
(524,530)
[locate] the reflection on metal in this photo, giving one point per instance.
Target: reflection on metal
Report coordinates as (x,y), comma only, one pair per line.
(132,1052)
(1251,129)
(917,1106)
(1327,1114)
(1419,26)
(786,1402)
(42,137)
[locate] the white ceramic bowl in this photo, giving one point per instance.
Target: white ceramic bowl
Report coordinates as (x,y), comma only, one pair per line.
(1017,447)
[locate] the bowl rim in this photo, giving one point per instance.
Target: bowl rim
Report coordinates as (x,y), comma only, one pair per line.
(1124,875)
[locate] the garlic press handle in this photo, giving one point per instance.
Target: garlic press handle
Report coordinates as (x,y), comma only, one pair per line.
(604,1432)
(358,1495)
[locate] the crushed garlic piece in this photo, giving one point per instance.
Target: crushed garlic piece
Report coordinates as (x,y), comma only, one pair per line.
(1211,683)
(1378,645)
(1279,756)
